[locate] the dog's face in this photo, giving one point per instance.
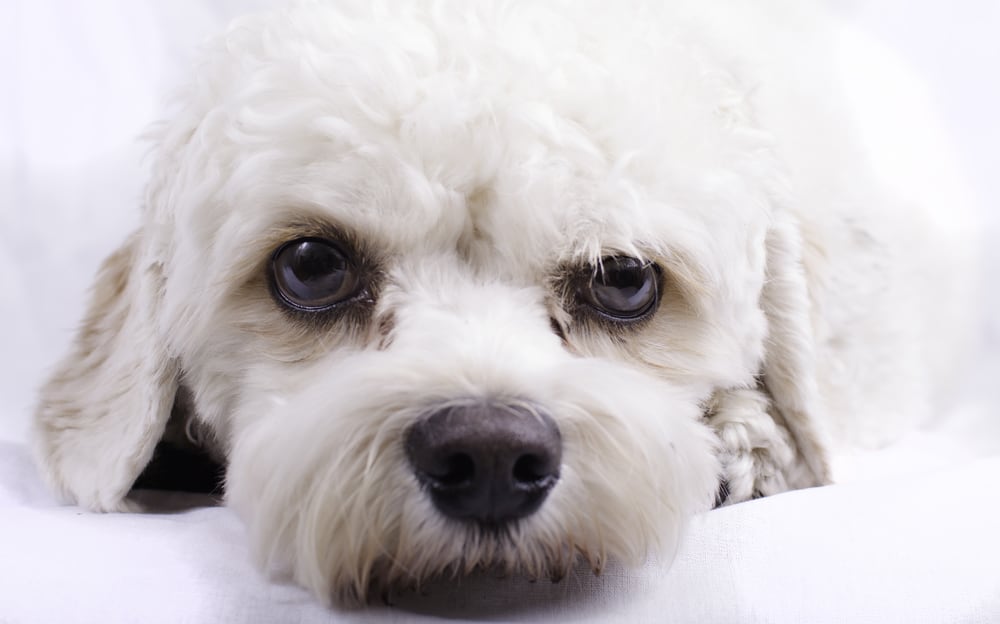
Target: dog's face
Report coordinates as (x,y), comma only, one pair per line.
(447,293)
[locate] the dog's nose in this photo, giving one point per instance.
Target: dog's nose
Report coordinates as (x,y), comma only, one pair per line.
(491,463)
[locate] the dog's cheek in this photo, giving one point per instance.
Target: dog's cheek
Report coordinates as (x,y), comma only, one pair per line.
(638,461)
(697,337)
(708,338)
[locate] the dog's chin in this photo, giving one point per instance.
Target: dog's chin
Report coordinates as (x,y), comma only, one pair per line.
(461,549)
(330,499)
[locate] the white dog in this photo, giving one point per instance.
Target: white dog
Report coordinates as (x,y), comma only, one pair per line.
(499,284)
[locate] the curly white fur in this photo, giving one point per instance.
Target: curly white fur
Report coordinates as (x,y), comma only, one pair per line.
(475,151)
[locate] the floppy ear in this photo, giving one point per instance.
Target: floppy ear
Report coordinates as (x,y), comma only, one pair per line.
(789,369)
(106,405)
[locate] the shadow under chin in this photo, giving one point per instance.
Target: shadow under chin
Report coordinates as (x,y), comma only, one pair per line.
(490,595)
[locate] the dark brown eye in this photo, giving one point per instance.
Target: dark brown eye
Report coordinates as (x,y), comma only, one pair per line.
(313,274)
(623,288)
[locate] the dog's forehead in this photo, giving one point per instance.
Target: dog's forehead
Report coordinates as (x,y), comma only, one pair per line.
(399,203)
(514,152)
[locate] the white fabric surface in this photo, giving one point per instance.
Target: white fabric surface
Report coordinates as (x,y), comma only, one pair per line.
(911,534)
(921,549)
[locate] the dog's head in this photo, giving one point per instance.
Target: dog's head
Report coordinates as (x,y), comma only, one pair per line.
(448,289)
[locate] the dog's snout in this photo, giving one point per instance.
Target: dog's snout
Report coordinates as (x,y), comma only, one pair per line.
(490,463)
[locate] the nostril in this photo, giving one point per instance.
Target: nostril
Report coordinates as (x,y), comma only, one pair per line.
(531,470)
(453,471)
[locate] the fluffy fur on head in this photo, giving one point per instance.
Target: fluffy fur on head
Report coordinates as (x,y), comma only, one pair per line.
(477,163)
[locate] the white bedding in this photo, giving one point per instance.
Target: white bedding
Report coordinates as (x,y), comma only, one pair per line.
(922,548)
(911,534)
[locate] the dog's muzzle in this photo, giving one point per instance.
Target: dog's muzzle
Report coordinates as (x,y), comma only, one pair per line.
(486,462)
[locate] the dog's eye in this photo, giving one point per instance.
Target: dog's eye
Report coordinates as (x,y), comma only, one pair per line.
(623,288)
(313,274)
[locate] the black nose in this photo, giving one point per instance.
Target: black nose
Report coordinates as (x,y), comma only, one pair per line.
(487,462)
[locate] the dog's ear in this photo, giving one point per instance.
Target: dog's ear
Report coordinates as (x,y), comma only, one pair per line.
(789,368)
(106,405)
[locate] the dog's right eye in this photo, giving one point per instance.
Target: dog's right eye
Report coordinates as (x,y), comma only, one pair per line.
(622,289)
(313,274)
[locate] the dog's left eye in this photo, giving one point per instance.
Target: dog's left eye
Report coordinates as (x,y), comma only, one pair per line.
(623,288)
(313,274)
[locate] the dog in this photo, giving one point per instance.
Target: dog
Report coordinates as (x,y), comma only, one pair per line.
(449,286)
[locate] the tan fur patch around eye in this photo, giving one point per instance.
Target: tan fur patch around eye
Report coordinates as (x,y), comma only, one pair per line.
(288,335)
(292,337)
(668,341)
(384,329)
